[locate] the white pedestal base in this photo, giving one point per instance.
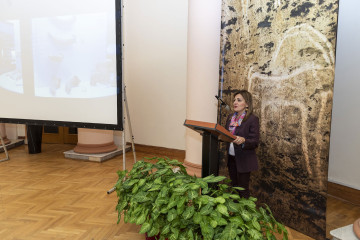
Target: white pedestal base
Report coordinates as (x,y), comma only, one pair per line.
(101,157)
(344,233)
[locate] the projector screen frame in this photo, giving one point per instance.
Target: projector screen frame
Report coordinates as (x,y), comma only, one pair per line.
(119,89)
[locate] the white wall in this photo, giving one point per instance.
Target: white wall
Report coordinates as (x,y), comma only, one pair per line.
(155,51)
(344,163)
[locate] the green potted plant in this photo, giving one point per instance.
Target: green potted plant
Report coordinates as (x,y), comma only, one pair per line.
(170,204)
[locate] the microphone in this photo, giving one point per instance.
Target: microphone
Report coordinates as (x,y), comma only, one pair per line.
(222,103)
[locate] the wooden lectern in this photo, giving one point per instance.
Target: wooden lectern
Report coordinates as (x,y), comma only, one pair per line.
(212,133)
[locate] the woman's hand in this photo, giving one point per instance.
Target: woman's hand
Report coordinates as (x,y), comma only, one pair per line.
(239,140)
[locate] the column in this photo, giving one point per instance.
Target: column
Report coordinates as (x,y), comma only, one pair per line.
(204,23)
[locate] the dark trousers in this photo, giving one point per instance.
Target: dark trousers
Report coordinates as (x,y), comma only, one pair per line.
(238,179)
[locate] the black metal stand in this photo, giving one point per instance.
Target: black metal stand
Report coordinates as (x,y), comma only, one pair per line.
(34,136)
(210,160)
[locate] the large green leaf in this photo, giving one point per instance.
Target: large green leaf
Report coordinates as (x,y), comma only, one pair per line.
(172,215)
(206,210)
(180,210)
(205,190)
(128,184)
(197,218)
(221,221)
(213,223)
(178,181)
(237,220)
(254,234)
(175,233)
(126,217)
(182,236)
(213,179)
(194,186)
(174,162)
(256,224)
(189,212)
(232,206)
(121,206)
(234,196)
(248,203)
(140,220)
(161,172)
(142,182)
(221,208)
(203,199)
(158,180)
(153,231)
(147,186)
(172,202)
(192,194)
(135,189)
(160,201)
(141,197)
(165,229)
(181,189)
(180,202)
(229,232)
(164,191)
(206,230)
(190,234)
(164,210)
(201,182)
(155,214)
(145,227)
(155,187)
(220,200)
(245,215)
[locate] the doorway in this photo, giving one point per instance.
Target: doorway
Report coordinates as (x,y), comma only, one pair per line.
(61,135)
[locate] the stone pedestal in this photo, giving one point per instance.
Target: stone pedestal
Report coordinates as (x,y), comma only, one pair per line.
(94,141)
(344,233)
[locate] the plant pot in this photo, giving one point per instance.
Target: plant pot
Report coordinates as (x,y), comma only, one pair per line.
(152,238)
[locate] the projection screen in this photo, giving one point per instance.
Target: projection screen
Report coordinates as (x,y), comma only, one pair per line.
(60,63)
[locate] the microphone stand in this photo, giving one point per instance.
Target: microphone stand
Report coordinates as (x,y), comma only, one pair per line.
(222,103)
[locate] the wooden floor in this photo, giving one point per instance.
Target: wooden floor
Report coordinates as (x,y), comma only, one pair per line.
(46,196)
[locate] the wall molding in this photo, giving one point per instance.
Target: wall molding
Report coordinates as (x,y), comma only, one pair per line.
(160,151)
(191,168)
(344,193)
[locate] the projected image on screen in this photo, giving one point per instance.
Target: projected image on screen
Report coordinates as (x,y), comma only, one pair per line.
(60,62)
(10,57)
(73,60)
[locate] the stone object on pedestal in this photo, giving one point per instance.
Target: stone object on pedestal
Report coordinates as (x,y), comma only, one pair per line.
(344,233)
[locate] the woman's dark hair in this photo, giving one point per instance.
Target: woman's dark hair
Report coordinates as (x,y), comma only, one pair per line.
(248,99)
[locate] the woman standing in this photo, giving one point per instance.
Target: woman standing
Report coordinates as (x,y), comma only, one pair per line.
(244,125)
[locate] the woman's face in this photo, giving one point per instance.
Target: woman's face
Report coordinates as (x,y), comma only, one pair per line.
(239,104)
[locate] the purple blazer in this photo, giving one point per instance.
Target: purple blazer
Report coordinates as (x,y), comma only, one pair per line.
(245,155)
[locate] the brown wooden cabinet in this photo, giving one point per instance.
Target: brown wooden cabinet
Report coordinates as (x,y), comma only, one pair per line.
(61,135)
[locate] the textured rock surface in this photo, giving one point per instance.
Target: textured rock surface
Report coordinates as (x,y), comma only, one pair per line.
(283,52)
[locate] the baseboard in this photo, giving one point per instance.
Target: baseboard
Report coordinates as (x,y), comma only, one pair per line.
(344,193)
(161,151)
